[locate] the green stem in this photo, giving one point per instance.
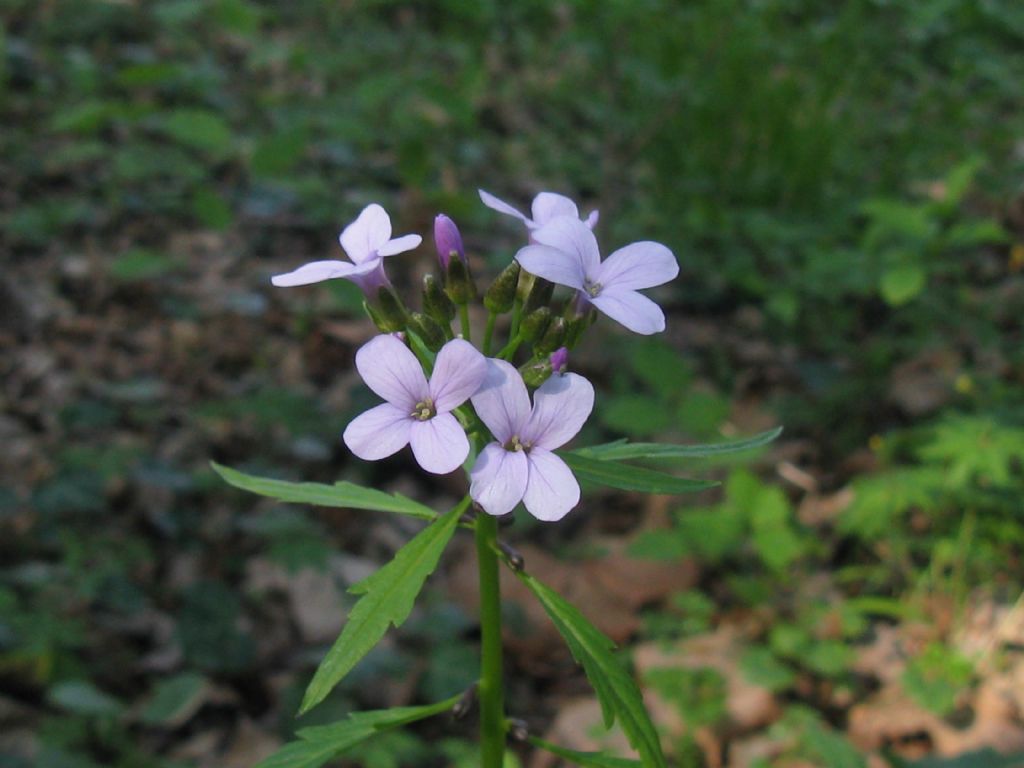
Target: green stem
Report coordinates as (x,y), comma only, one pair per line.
(464,321)
(489,332)
(517,316)
(490,689)
(510,349)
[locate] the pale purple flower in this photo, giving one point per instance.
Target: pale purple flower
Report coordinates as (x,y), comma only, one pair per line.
(546,207)
(367,240)
(566,252)
(447,240)
(417,412)
(520,465)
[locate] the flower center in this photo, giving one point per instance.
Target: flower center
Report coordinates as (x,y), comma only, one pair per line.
(424,410)
(592,289)
(515,445)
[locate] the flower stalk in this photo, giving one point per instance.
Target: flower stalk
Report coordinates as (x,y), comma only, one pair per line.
(491,690)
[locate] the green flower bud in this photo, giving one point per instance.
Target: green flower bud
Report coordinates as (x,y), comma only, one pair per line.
(376,317)
(526,281)
(536,372)
(427,329)
(502,293)
(436,302)
(391,311)
(540,295)
(553,337)
(458,284)
(535,324)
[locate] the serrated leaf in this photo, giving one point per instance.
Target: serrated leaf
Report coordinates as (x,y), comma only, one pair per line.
(387,599)
(616,690)
(630,478)
(343,494)
(621,449)
(318,744)
(585,759)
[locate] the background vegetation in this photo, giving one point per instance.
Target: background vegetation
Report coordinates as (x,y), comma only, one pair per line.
(841,184)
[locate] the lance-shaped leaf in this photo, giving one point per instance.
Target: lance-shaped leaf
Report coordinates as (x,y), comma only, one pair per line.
(321,743)
(343,494)
(387,599)
(585,759)
(616,690)
(622,449)
(630,478)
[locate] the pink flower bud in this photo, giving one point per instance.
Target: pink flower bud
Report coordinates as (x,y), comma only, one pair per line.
(559,360)
(448,240)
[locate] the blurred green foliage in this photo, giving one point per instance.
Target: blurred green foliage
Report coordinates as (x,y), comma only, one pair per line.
(839,169)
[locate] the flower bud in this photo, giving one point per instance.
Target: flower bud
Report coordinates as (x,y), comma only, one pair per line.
(525,285)
(540,295)
(448,240)
(575,328)
(436,302)
(458,284)
(535,372)
(553,337)
(427,329)
(559,360)
(390,311)
(535,324)
(502,293)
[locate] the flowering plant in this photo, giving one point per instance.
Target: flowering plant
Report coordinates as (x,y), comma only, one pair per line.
(457,405)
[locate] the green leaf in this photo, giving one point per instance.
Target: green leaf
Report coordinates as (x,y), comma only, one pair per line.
(343,494)
(585,759)
(616,690)
(175,700)
(196,128)
(621,449)
(900,284)
(630,478)
(387,599)
(83,698)
(319,744)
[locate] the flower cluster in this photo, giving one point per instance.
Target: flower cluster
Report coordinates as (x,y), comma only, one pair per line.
(449,400)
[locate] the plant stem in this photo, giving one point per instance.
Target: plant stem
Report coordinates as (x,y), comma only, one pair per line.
(491,689)
(517,316)
(464,321)
(510,349)
(489,332)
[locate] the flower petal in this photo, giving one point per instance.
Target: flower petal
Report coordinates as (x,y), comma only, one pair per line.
(560,407)
(502,402)
(592,218)
(370,230)
(392,371)
(314,272)
(572,236)
(498,479)
(439,444)
(547,206)
(459,370)
(632,309)
(501,206)
(399,245)
(552,264)
(378,432)
(551,489)
(640,265)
